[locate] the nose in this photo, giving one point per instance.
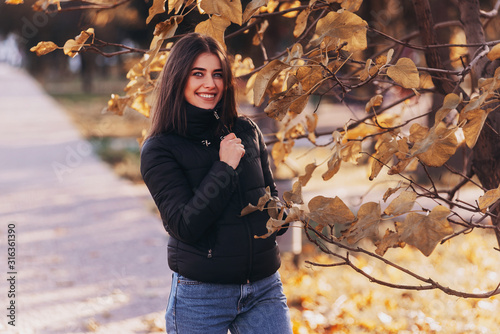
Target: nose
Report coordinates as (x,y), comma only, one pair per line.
(209,82)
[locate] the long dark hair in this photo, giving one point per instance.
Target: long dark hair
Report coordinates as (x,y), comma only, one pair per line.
(168,110)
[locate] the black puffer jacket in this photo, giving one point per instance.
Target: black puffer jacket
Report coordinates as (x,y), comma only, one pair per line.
(200,199)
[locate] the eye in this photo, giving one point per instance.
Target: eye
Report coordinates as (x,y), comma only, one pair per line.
(197,74)
(218,75)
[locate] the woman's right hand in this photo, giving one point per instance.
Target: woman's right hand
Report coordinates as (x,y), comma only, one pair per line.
(231,150)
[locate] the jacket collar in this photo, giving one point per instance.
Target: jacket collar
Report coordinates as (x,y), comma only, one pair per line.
(201,124)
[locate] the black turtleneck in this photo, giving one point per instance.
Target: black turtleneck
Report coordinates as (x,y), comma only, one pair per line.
(201,124)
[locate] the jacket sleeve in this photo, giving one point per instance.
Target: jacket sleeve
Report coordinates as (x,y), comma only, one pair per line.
(268,174)
(186,213)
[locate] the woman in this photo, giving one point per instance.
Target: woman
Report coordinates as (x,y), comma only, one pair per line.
(203,164)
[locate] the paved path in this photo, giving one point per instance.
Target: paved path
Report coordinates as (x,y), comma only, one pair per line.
(89,251)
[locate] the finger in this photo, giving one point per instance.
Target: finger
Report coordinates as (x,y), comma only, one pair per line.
(230,136)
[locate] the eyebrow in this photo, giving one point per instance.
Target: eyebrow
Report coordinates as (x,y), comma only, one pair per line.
(204,69)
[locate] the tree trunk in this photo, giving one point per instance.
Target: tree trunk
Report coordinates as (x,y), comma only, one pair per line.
(425,23)
(486,153)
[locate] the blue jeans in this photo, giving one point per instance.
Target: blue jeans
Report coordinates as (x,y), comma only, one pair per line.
(207,308)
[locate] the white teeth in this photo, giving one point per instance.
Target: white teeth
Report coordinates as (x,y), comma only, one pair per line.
(207,96)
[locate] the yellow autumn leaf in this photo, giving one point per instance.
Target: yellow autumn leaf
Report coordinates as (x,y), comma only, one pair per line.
(451,101)
(374,102)
(425,231)
(309,76)
(227,9)
(351,5)
(390,240)
(73,46)
(404,73)
(342,27)
(401,204)
(494,52)
(309,169)
(280,104)
(301,22)
(241,67)
(475,122)
(489,198)
(118,104)
(158,7)
(265,78)
(14,2)
(214,27)
(252,8)
(425,81)
(281,150)
(351,151)
(295,195)
(289,5)
(42,48)
(435,146)
(367,224)
(175,5)
(141,105)
(329,211)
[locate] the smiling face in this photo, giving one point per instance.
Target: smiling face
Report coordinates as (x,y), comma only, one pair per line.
(205,84)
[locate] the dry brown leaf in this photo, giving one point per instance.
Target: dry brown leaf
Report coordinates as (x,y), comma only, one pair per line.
(390,240)
(252,8)
(401,204)
(367,224)
(404,73)
(451,101)
(227,9)
(167,28)
(42,48)
(272,225)
(329,211)
(386,147)
(425,231)
(294,196)
(260,204)
(391,191)
(265,78)
(333,167)
(303,179)
(489,198)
